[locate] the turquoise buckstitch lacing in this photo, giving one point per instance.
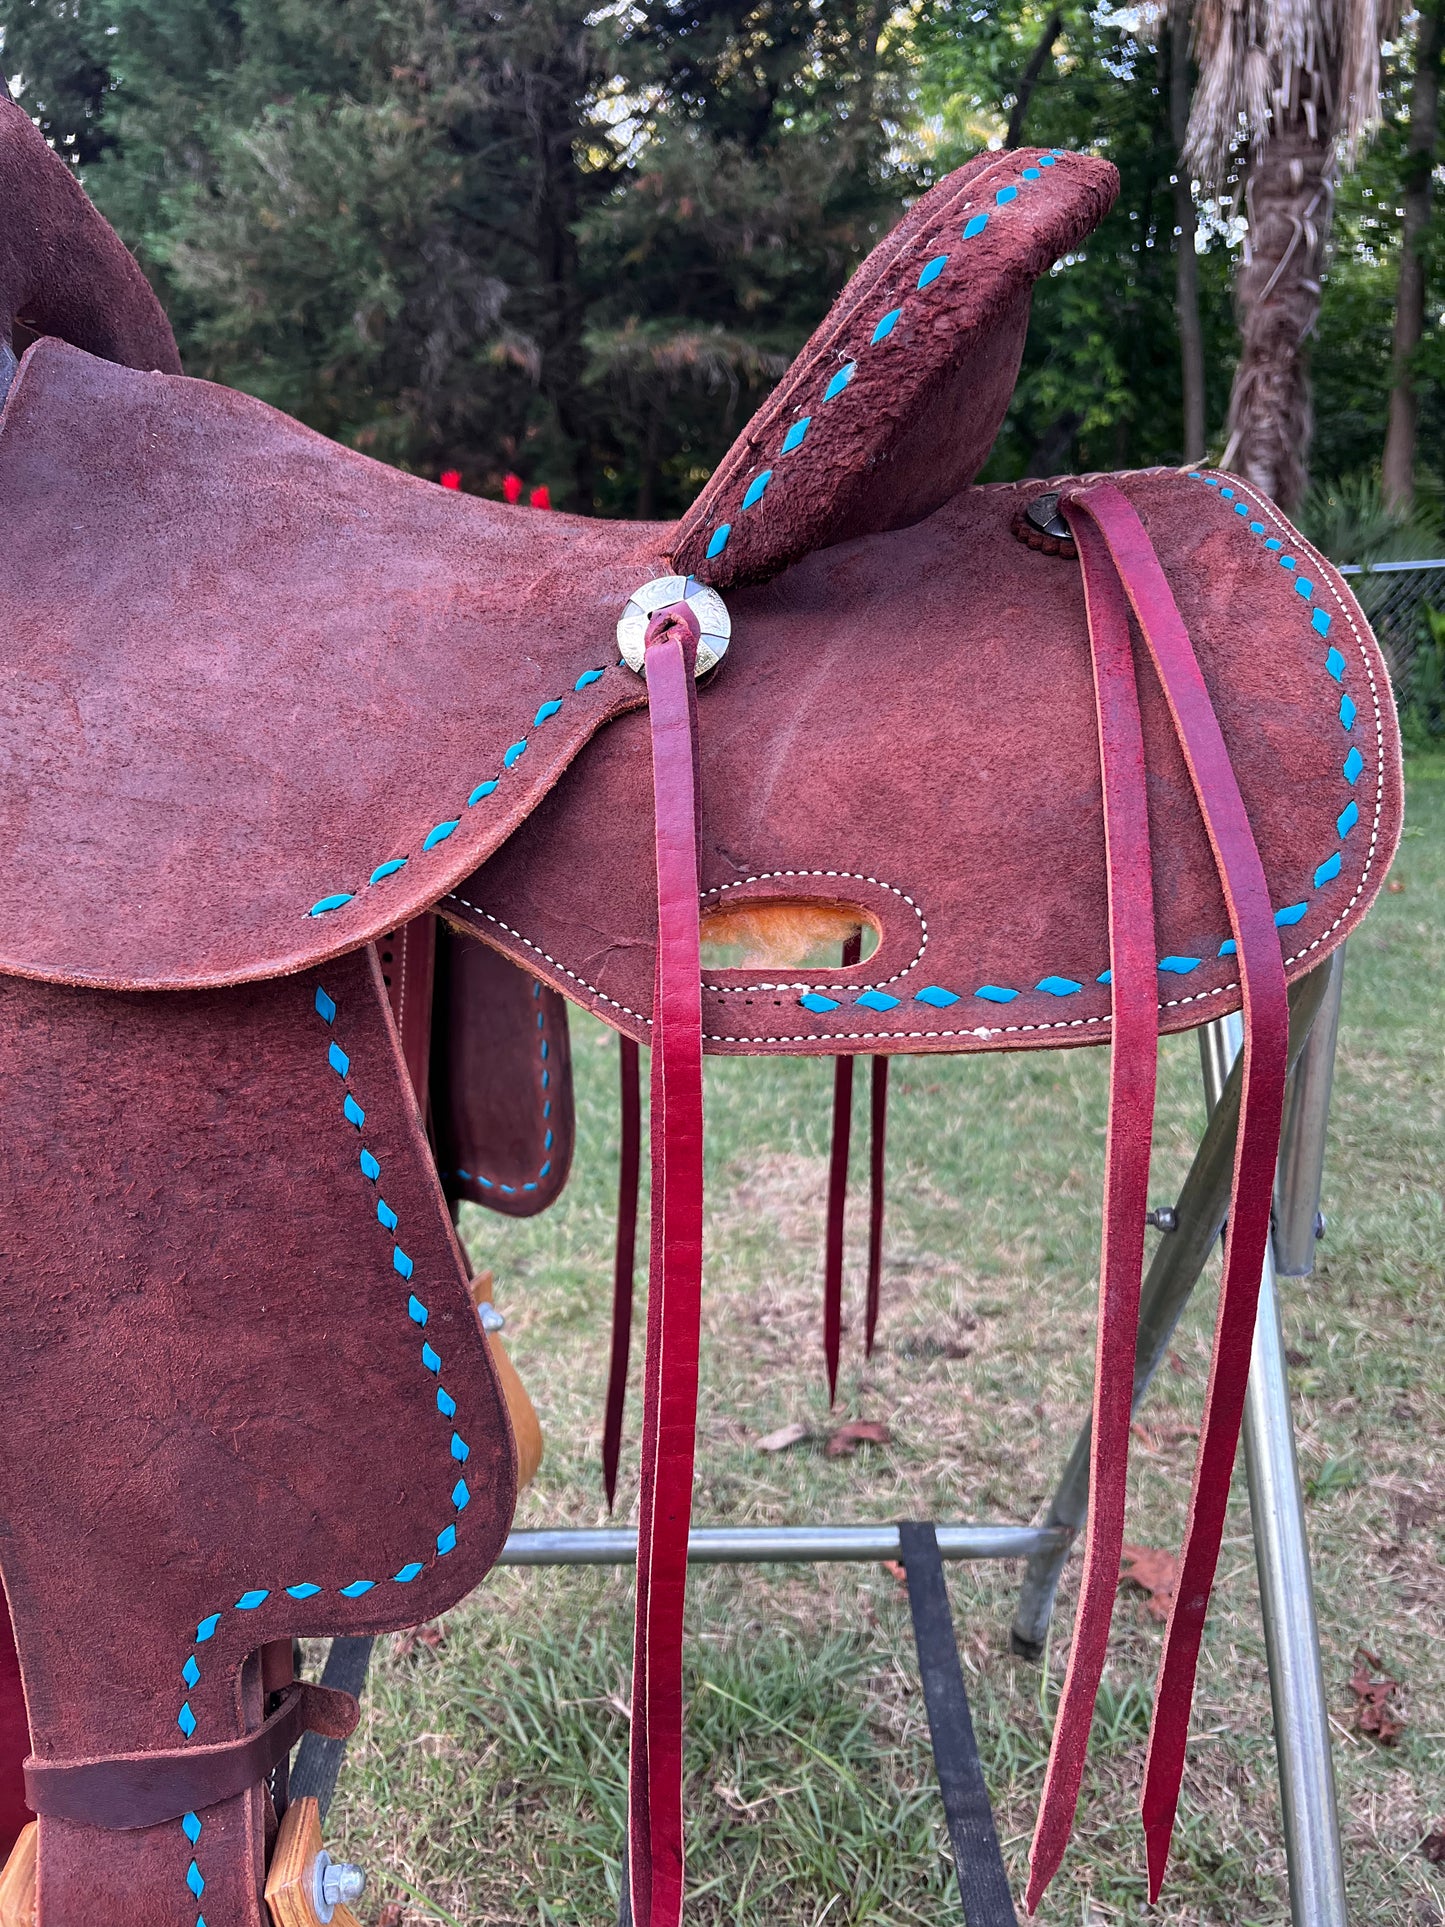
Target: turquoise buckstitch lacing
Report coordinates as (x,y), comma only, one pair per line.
(882,329)
(440,832)
(458,1451)
(548,1135)
(1334,665)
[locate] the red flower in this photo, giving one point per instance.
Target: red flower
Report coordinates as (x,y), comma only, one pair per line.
(541,497)
(451,478)
(512,488)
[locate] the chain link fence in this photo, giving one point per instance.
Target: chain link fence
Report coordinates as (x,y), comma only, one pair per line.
(1397,598)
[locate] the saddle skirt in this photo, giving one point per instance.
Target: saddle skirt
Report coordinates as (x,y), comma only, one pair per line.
(265,701)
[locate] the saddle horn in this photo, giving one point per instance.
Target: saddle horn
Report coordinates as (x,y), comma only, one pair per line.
(64,270)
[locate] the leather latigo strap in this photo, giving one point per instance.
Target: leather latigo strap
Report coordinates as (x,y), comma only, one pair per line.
(624,1262)
(125,1791)
(1132,1066)
(674,1298)
(838,1200)
(878,1117)
(1123,546)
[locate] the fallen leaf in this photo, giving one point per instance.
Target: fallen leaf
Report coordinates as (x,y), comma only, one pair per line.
(1377,1714)
(390,1915)
(1154,1571)
(1395,889)
(843,1443)
(1177,1365)
(404,1644)
(896,1569)
(1159,1437)
(1433,1848)
(785,1436)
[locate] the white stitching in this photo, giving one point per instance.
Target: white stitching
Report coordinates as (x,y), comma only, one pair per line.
(985,1031)
(846,876)
(537,950)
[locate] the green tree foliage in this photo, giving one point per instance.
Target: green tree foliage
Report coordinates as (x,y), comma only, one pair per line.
(1351,361)
(1100,386)
(580,242)
(490,236)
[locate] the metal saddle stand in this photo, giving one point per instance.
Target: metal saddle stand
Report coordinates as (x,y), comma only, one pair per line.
(1286,1584)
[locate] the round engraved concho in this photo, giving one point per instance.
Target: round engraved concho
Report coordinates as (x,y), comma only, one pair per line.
(706,604)
(1041,527)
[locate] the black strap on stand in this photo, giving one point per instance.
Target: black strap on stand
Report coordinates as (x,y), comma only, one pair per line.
(318,1763)
(982,1880)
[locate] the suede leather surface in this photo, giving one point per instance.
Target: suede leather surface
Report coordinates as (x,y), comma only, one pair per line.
(501,1115)
(930,331)
(408,969)
(906,723)
(215,1386)
(221,761)
(246,669)
(63,270)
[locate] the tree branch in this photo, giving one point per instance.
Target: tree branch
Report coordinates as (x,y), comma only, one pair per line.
(1029,78)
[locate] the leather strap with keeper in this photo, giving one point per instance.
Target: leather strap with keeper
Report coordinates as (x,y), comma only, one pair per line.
(629,1171)
(1133,961)
(125,1791)
(674,1297)
(1112,540)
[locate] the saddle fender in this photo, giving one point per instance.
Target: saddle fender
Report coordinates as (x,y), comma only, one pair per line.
(246,1397)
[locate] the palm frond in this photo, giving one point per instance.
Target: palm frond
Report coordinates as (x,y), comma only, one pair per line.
(1266,65)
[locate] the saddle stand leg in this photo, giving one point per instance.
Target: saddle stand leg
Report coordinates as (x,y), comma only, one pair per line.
(1286,1584)
(1178,1261)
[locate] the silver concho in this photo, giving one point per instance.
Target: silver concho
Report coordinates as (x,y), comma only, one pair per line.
(706,604)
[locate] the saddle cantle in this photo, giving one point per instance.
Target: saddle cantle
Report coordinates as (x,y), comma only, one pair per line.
(267,703)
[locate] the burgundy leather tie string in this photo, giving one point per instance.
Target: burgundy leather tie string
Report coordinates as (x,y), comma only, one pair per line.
(878,1132)
(1132,1066)
(838,1198)
(624,1263)
(674,1296)
(1266,1039)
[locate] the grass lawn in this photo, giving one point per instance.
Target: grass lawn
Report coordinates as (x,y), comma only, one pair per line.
(487,1783)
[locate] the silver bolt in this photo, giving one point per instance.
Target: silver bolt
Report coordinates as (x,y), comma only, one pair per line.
(1163,1217)
(335,1883)
(492,1319)
(1319,1224)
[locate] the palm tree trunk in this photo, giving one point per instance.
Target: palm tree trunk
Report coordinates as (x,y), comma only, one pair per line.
(1289,200)
(1398,467)
(1186,261)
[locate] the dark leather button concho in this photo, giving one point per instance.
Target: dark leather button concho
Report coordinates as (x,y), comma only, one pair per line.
(1042,527)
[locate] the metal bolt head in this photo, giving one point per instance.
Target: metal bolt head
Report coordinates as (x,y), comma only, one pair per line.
(1163,1217)
(1320,1222)
(344,1883)
(335,1883)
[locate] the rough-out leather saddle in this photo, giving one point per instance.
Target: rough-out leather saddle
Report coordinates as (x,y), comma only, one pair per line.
(1094,759)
